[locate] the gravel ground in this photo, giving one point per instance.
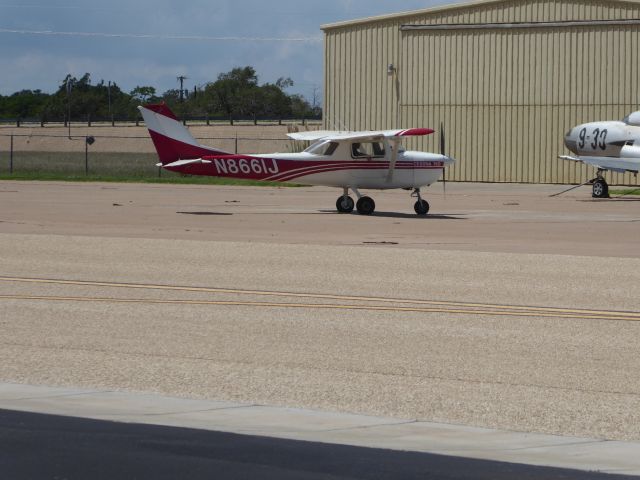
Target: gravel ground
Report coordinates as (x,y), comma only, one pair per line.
(569,376)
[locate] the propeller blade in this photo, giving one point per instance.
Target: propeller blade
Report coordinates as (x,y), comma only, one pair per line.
(442,152)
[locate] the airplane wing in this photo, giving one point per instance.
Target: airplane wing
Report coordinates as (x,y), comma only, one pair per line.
(313,136)
(614,164)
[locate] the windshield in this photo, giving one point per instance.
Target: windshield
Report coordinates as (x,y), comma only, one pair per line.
(322,148)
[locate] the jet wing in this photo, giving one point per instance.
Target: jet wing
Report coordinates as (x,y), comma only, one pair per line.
(313,136)
(614,164)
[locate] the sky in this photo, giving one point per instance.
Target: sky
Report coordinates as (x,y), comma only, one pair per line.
(152,42)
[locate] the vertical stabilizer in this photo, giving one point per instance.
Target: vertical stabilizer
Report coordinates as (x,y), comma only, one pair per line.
(171,138)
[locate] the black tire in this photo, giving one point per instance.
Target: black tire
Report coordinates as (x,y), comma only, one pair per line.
(600,189)
(344,204)
(421,207)
(366,206)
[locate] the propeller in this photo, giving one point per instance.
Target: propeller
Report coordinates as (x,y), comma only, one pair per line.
(442,152)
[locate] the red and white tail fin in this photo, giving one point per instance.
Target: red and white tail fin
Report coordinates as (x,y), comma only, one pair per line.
(172,140)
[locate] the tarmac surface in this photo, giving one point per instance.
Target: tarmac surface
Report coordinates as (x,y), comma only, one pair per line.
(504,309)
(69,447)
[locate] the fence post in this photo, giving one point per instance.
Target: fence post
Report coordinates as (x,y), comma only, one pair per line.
(86,157)
(18,122)
(113,121)
(236,148)
(11,157)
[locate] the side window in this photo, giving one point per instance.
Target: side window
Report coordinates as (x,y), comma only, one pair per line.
(367,149)
(378,149)
(357,150)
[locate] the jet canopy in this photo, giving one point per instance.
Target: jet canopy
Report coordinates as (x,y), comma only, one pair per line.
(633,119)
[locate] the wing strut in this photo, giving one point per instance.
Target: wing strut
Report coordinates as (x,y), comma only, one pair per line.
(394,143)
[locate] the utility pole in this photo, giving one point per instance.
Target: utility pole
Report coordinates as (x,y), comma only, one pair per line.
(109,94)
(181,79)
(69,105)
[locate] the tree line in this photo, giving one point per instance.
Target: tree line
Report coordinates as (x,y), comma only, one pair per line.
(234,95)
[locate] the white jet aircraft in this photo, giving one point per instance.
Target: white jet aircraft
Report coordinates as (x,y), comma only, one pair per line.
(347,160)
(610,145)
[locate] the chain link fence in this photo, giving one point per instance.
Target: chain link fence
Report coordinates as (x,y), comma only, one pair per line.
(115,153)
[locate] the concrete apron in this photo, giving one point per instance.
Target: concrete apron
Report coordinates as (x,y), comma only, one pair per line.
(336,428)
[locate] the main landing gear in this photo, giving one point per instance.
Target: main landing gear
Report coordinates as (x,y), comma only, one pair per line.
(600,187)
(366,206)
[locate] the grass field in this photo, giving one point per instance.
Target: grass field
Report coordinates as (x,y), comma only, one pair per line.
(626,191)
(103,167)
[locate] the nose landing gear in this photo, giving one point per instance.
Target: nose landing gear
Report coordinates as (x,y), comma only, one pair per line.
(600,187)
(421,207)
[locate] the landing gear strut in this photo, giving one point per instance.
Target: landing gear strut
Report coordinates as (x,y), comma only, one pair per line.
(600,187)
(421,207)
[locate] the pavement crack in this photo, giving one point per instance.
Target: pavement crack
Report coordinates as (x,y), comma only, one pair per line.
(62,395)
(364,427)
(184,412)
(561,445)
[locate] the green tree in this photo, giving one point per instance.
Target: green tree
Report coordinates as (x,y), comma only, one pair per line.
(234,93)
(24,104)
(143,94)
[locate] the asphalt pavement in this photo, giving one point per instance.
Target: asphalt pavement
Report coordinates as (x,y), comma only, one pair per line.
(56,447)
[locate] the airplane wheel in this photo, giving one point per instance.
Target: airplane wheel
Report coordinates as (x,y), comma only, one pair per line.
(600,189)
(366,206)
(421,207)
(344,204)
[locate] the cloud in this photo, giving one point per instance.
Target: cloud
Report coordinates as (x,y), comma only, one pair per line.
(42,61)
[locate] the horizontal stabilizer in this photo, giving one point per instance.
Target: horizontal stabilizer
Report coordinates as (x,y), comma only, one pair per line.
(182,163)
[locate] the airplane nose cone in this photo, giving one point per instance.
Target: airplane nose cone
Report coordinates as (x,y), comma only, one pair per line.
(570,142)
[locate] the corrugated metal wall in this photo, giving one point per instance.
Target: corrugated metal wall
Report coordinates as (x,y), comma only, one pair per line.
(506,97)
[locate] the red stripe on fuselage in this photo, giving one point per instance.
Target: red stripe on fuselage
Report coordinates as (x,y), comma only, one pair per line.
(270,169)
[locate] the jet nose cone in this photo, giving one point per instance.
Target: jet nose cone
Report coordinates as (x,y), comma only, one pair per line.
(570,142)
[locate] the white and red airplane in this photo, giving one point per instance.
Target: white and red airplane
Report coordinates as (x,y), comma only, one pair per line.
(348,160)
(609,145)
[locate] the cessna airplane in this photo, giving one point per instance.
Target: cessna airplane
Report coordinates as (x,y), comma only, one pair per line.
(346,160)
(611,146)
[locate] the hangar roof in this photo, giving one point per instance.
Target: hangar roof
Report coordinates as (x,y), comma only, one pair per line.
(434,10)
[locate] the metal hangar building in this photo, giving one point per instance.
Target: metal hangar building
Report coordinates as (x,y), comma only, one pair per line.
(506,78)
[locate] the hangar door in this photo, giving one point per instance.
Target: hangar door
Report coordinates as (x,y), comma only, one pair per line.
(507,93)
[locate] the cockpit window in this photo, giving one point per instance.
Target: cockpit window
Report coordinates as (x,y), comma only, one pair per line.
(331,148)
(323,148)
(367,149)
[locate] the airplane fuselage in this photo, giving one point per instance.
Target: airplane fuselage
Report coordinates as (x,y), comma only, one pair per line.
(412,170)
(604,139)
